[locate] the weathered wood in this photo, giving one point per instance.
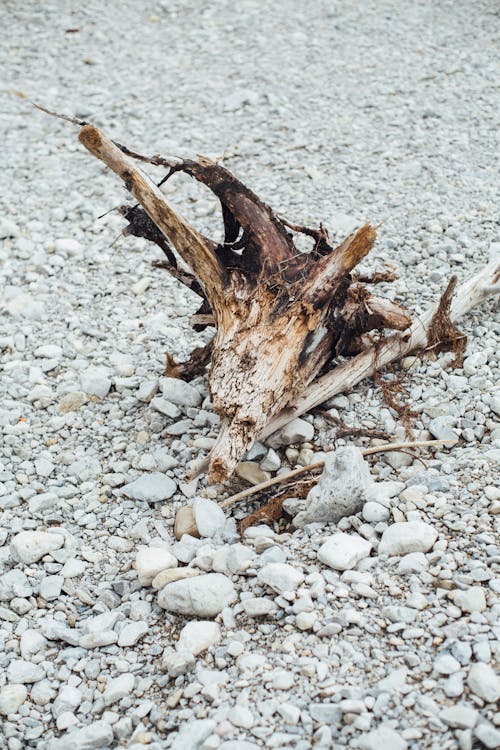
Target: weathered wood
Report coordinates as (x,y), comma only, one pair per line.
(281,316)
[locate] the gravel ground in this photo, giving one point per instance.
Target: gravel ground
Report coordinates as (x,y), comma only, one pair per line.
(377,632)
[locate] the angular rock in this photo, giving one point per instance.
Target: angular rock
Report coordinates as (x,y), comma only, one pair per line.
(71,402)
(281,577)
(20,671)
(180,393)
(407,536)
(489,735)
(177,663)
(341,490)
(165,407)
(193,733)
(202,596)
(196,637)
(472,599)
(343,551)
(132,633)
(95,382)
(152,488)
(31,546)
(11,698)
(382,738)
(484,682)
(95,736)
(118,688)
(296,431)
(459,716)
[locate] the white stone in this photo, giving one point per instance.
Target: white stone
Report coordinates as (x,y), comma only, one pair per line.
(202,596)
(11,698)
(147,390)
(341,490)
(382,738)
(32,642)
(296,431)
(177,663)
(488,735)
(95,382)
(132,633)
(98,640)
(407,536)
(440,429)
(343,551)
(26,306)
(50,587)
(31,546)
(20,671)
(150,561)
(192,734)
(208,516)
(375,512)
(258,607)
(196,637)
(68,246)
(484,682)
(306,620)
(459,716)
(281,577)
(239,558)
(446,664)
(271,462)
(414,562)
(73,568)
(48,351)
(472,599)
(180,393)
(165,407)
(241,716)
(44,467)
(94,736)
(118,688)
(152,488)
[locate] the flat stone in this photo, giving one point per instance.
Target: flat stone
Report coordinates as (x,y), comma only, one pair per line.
(484,682)
(118,688)
(150,561)
(208,517)
(132,633)
(193,734)
(152,488)
(343,551)
(95,736)
(341,489)
(50,587)
(11,698)
(95,382)
(31,546)
(98,640)
(382,738)
(202,596)
(259,607)
(196,637)
(296,431)
(472,599)
(180,393)
(407,536)
(165,407)
(459,716)
(281,577)
(20,671)
(489,735)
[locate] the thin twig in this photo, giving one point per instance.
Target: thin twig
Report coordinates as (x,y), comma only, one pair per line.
(319,464)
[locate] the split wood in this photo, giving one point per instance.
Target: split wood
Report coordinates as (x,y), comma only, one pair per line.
(283,478)
(281,316)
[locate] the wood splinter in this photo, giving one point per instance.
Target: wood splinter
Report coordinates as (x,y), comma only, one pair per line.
(281,316)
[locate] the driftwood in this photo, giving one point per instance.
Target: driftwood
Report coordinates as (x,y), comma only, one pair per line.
(282,317)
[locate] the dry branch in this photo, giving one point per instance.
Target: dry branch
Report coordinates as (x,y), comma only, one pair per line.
(281,316)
